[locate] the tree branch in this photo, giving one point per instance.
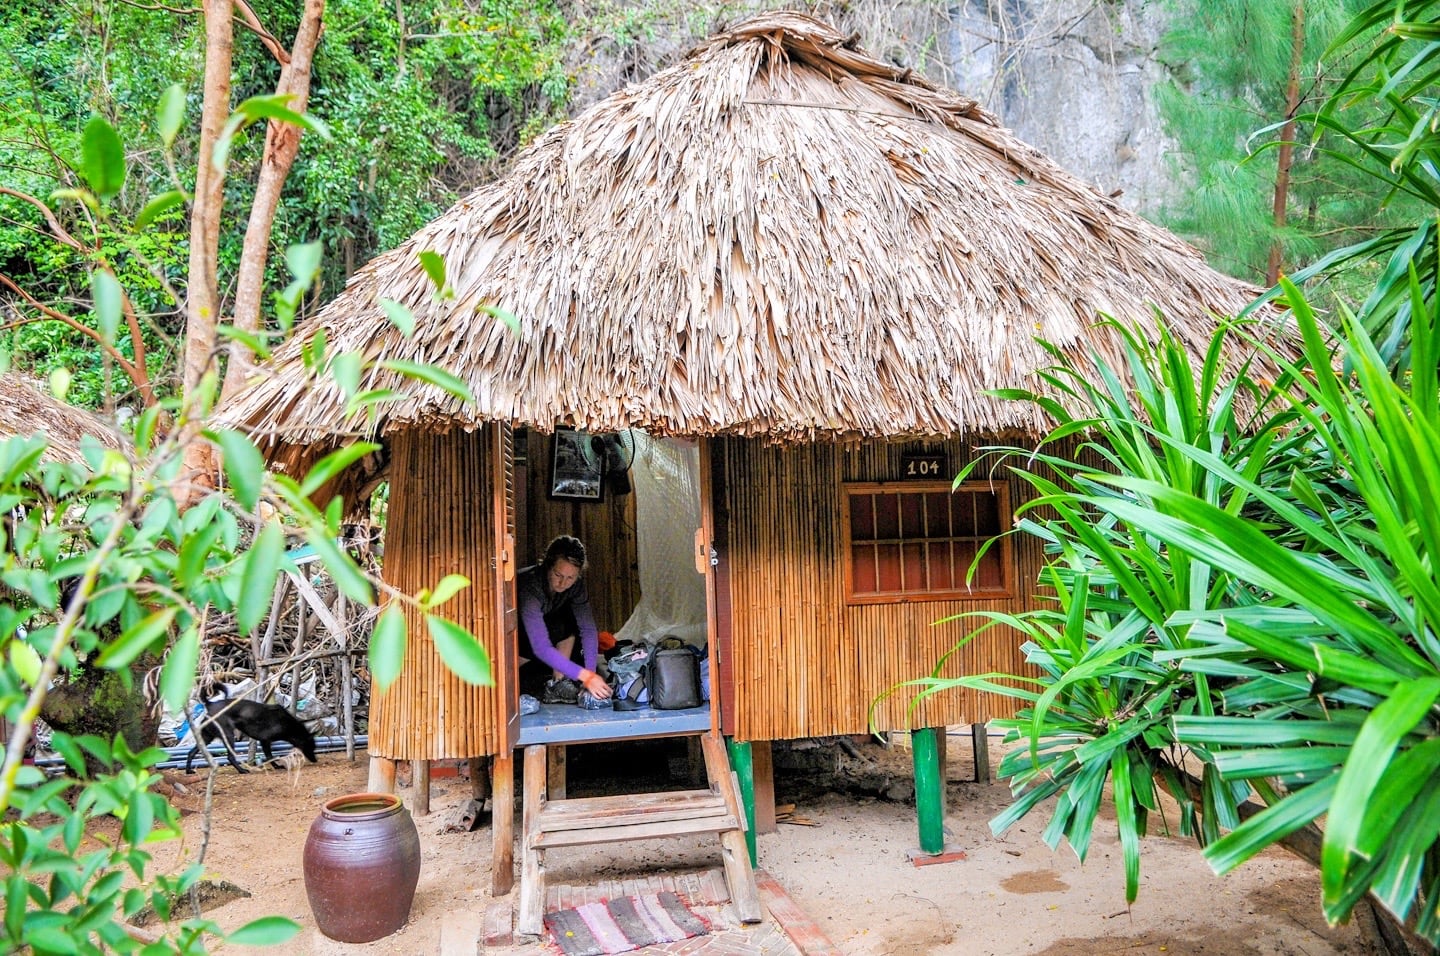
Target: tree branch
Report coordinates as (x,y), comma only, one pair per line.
(282,145)
(182,11)
(248,17)
(137,375)
(61,233)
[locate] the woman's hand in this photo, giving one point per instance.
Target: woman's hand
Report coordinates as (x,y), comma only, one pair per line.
(595,684)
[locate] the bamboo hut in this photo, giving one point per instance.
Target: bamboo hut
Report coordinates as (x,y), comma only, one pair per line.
(25,411)
(811,266)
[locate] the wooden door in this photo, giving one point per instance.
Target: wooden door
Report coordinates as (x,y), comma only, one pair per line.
(710,561)
(506,663)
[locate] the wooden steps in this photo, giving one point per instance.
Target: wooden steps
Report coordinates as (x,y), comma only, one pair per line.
(644,816)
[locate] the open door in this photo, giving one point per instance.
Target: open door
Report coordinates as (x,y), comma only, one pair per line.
(709,553)
(506,667)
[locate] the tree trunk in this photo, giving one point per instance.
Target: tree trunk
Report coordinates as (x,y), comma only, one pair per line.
(282,144)
(202,292)
(93,700)
(202,297)
(1286,158)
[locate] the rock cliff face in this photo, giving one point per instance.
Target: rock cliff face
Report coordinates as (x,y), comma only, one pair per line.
(1074,78)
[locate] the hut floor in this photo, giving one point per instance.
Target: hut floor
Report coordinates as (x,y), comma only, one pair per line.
(568,724)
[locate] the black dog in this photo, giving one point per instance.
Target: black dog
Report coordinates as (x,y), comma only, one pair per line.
(264,723)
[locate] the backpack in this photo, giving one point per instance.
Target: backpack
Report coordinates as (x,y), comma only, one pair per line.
(672,675)
(627,671)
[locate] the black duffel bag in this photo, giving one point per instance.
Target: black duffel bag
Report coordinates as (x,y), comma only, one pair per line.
(672,675)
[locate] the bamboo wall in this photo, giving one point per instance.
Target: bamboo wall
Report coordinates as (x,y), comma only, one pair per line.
(606,527)
(806,663)
(439,523)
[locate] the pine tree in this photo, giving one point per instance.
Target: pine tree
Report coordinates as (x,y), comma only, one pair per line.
(1243,71)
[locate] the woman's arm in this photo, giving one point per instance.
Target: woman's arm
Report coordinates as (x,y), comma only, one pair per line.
(533,618)
(589,633)
(589,644)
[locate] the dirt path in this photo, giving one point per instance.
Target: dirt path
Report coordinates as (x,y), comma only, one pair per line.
(848,870)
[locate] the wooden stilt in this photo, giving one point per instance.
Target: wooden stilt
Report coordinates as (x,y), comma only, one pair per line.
(479,778)
(981,742)
(763,770)
(381,778)
(739,871)
(530,920)
(502,855)
(420,783)
(942,758)
(555,771)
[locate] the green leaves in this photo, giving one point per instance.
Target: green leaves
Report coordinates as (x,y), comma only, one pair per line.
(304,262)
(464,655)
(449,586)
(329,467)
(265,931)
(244,467)
(272,107)
(102,158)
(387,647)
(257,582)
(434,267)
(1279,571)
(441,379)
(401,317)
(170,113)
(138,638)
(177,674)
(158,207)
(1357,826)
(108,302)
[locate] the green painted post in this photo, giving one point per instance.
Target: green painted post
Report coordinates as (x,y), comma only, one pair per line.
(742,760)
(929,790)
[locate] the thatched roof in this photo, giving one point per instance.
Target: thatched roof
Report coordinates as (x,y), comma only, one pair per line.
(25,410)
(778,236)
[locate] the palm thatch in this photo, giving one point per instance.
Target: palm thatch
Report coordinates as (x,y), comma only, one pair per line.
(779,236)
(25,410)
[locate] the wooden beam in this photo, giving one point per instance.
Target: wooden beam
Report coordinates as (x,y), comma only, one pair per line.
(981,742)
(382,775)
(530,921)
(479,778)
(734,853)
(420,781)
(502,823)
(803,931)
(555,772)
(762,767)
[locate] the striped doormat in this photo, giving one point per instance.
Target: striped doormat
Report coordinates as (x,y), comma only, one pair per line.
(619,926)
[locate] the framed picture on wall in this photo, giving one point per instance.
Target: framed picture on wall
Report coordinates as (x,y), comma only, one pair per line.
(575,469)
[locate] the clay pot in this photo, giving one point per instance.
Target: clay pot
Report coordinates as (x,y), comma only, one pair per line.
(362,861)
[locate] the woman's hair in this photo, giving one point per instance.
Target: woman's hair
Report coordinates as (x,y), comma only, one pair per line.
(566,547)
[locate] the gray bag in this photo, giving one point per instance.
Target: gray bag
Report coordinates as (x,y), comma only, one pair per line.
(673,676)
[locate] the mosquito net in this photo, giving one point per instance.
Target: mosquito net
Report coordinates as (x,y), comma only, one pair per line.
(665,476)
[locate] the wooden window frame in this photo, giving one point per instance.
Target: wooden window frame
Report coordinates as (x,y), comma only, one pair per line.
(1000,549)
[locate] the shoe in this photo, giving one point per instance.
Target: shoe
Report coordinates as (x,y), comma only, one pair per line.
(560,690)
(589,701)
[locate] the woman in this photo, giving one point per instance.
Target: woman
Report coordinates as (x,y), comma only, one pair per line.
(554,610)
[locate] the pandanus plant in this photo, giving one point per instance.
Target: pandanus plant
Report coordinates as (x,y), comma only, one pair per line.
(1245,605)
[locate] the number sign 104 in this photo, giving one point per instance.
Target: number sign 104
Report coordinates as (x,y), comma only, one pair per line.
(927,467)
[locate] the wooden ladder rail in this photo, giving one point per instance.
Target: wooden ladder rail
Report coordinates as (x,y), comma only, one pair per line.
(547,824)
